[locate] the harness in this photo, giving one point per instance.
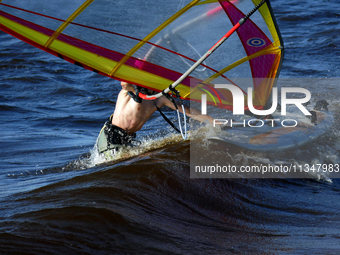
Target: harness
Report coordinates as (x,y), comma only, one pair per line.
(138,100)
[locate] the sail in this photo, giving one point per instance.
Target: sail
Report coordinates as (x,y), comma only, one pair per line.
(151,44)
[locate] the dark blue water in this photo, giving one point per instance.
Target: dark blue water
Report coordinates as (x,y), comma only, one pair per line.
(58,197)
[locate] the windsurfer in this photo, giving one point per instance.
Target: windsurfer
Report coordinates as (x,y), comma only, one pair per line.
(130,116)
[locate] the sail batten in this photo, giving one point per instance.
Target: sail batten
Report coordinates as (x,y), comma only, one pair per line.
(67,22)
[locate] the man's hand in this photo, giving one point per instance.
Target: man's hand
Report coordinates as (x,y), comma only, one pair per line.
(196,114)
(191,112)
(127,86)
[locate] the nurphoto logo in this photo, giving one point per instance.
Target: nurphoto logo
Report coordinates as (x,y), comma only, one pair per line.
(238,106)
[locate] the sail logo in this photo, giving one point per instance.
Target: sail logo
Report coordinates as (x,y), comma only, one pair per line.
(239,106)
(256,42)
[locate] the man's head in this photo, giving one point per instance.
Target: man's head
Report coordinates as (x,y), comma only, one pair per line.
(146,91)
(130,87)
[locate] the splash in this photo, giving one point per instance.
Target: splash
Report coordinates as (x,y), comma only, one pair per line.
(147,144)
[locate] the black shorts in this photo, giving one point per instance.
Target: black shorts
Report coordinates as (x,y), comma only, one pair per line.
(112,138)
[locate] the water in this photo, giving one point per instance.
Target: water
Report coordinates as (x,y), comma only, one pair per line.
(57,197)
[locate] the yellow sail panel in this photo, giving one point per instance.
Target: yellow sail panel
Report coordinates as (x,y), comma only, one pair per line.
(81,52)
(29,33)
(267,16)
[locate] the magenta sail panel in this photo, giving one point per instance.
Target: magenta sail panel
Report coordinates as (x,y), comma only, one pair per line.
(253,40)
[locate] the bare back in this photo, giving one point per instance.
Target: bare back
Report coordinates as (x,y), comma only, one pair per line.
(129,115)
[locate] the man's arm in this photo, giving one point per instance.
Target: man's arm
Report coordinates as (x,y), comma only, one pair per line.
(191,112)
